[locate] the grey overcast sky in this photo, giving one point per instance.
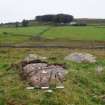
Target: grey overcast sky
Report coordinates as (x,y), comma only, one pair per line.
(16,10)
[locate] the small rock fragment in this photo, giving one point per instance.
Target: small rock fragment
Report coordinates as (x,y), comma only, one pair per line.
(60,87)
(99,69)
(29,88)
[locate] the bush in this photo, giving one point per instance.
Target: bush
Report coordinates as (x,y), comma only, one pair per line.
(25,23)
(79,24)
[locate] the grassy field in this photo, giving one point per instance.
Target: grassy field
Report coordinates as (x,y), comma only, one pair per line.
(83,86)
(19,35)
(77,33)
(65,33)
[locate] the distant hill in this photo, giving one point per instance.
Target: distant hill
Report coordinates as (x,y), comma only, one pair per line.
(91,21)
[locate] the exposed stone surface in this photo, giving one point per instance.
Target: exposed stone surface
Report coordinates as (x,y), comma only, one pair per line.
(32,57)
(41,74)
(81,57)
(99,69)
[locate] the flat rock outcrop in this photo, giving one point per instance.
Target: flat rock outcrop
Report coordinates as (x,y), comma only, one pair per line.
(81,57)
(41,74)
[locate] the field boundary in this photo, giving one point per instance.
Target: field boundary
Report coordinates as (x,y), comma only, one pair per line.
(58,44)
(51,46)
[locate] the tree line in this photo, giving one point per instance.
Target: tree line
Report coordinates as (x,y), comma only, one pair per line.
(59,18)
(56,19)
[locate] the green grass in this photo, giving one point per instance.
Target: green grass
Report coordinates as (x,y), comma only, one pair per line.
(82,86)
(64,33)
(77,33)
(19,35)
